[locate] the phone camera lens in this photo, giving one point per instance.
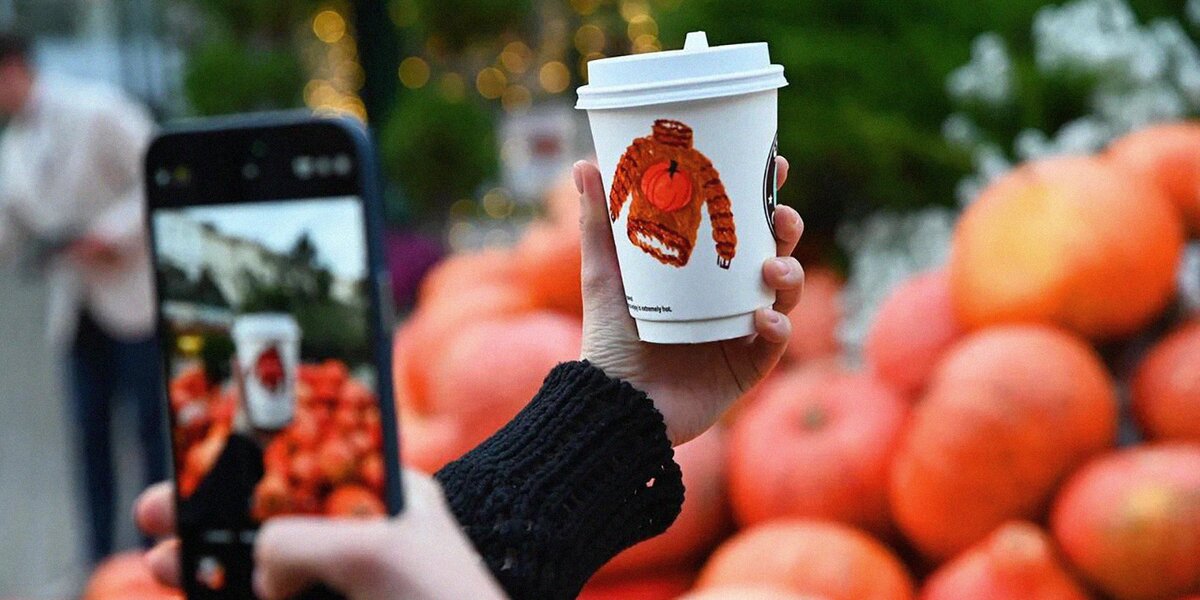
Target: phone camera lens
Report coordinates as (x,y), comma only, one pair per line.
(342,165)
(162,177)
(302,166)
(323,166)
(258,148)
(250,171)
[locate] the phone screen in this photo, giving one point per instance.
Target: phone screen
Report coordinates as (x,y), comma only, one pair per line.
(265,312)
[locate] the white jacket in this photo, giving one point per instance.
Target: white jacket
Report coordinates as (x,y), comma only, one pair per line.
(71,167)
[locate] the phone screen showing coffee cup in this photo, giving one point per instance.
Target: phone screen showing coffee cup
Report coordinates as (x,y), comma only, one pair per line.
(270,347)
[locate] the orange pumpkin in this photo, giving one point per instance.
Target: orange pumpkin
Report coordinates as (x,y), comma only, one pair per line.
(126,576)
(1017,561)
(746,592)
(1166,387)
(1130,522)
(457,293)
(703,520)
(816,319)
(816,447)
(547,266)
(652,586)
(487,372)
(809,557)
(1009,413)
(913,328)
(666,186)
(1073,241)
(1168,155)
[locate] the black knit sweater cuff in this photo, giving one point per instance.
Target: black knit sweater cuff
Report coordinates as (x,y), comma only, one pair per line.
(583,472)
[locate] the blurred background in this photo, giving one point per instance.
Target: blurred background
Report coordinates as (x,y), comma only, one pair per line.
(897,115)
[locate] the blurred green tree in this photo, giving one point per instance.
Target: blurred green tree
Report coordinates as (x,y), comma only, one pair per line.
(248,59)
(862,118)
(438,148)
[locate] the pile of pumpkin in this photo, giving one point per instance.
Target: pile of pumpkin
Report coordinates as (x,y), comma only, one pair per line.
(328,460)
(975,453)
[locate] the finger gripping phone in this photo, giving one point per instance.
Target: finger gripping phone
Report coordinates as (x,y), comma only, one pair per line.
(271,305)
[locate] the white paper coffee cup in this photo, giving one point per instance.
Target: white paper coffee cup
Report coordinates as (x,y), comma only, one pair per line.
(686,145)
(267,348)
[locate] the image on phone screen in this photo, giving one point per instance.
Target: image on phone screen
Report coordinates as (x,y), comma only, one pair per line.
(272,378)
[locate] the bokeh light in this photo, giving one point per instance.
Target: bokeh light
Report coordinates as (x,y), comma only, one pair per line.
(515,57)
(452,87)
(516,98)
(404,13)
(631,9)
(642,25)
(554,77)
(414,72)
(585,7)
(497,203)
(589,38)
(329,26)
(490,82)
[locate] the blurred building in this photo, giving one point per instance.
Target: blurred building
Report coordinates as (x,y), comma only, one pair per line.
(123,42)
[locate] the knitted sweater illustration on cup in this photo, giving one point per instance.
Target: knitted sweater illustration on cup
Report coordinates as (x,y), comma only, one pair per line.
(670,180)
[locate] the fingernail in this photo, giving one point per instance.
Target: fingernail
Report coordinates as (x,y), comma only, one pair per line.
(773,317)
(578,177)
(782,267)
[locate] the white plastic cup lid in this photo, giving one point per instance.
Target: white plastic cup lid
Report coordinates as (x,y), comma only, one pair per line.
(696,72)
(269,325)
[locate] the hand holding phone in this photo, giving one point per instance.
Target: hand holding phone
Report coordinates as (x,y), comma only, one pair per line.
(265,240)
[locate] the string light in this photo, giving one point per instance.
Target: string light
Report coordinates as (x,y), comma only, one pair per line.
(414,72)
(329,26)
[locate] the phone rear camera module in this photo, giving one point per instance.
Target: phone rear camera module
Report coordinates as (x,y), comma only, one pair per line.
(250,171)
(162,177)
(302,167)
(342,165)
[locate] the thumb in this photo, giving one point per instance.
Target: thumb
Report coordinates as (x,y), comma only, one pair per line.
(294,554)
(601,276)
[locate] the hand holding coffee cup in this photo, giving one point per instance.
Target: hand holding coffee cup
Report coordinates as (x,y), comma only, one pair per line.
(686,143)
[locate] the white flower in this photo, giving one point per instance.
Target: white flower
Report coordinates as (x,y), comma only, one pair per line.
(887,248)
(987,78)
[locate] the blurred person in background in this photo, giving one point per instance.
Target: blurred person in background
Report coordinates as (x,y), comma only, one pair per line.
(71,212)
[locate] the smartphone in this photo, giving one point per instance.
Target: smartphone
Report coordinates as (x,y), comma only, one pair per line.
(272,324)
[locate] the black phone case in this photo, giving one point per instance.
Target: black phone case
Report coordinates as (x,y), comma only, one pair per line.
(215,141)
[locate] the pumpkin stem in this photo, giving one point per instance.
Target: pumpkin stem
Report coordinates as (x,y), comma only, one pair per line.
(674,167)
(814,417)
